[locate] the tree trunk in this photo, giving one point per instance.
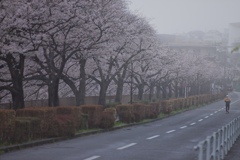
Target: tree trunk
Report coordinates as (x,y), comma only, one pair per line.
(164,91)
(169,91)
(140,91)
(103,93)
(82,87)
(181,93)
(56,97)
(151,89)
(53,86)
(50,94)
(119,92)
(158,92)
(16,70)
(176,90)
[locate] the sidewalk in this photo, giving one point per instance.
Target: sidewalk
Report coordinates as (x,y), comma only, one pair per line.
(234,153)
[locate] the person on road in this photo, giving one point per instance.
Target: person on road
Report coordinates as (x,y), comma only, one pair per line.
(227,101)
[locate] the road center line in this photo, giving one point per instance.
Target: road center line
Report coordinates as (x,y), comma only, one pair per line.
(170,131)
(153,137)
(215,111)
(193,123)
(200,120)
(92,158)
(206,117)
(129,145)
(183,127)
(211,114)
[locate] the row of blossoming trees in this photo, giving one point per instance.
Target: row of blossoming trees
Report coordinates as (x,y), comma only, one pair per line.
(51,49)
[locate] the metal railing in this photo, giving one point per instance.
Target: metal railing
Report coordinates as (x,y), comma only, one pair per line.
(216,146)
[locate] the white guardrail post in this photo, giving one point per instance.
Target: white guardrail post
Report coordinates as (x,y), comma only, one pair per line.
(216,146)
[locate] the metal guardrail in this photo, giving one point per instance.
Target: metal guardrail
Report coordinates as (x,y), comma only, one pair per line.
(216,146)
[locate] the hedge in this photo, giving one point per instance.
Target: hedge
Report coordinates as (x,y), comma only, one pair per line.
(93,113)
(7,125)
(27,128)
(157,107)
(74,112)
(166,106)
(107,119)
(151,111)
(139,112)
(125,112)
(45,114)
(64,126)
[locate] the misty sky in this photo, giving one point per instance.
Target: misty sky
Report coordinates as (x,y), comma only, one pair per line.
(181,16)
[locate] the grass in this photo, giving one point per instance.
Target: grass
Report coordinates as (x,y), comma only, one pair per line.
(119,124)
(87,130)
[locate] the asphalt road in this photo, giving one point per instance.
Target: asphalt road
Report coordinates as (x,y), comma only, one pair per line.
(171,138)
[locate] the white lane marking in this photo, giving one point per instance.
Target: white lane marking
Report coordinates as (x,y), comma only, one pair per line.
(200,120)
(92,158)
(170,131)
(193,123)
(206,117)
(215,111)
(129,145)
(183,127)
(219,110)
(235,101)
(211,114)
(153,137)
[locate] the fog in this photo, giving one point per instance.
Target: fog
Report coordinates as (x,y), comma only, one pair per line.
(181,16)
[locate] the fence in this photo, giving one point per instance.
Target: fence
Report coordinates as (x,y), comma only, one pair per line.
(216,146)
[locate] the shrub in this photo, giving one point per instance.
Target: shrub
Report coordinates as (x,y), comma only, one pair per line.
(181,103)
(94,113)
(107,120)
(139,111)
(27,128)
(113,111)
(125,112)
(166,106)
(74,112)
(7,124)
(45,114)
(157,107)
(64,126)
(151,111)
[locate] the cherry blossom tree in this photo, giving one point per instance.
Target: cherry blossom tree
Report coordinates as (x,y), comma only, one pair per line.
(15,44)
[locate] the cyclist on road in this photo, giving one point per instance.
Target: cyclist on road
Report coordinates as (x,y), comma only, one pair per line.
(227,101)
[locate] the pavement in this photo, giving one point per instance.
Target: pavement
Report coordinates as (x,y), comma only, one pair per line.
(234,153)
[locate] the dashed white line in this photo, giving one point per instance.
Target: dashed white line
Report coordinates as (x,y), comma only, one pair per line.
(193,123)
(206,117)
(127,146)
(92,158)
(215,111)
(183,127)
(170,131)
(153,137)
(211,114)
(200,120)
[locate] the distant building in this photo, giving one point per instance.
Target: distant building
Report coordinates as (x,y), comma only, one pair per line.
(192,41)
